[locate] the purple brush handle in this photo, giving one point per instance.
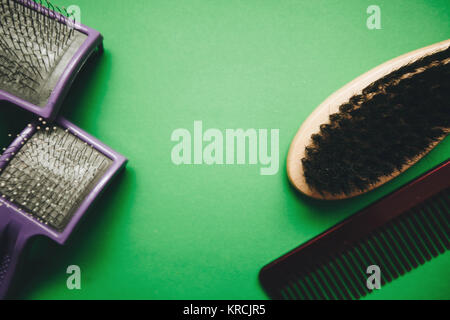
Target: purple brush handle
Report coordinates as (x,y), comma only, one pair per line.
(13,238)
(16,227)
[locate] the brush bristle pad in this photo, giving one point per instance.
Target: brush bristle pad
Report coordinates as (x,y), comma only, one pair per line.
(51,175)
(35,48)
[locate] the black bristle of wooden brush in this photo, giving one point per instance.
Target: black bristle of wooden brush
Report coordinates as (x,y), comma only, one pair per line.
(376,133)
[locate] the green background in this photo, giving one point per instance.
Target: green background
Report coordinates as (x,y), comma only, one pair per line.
(163,231)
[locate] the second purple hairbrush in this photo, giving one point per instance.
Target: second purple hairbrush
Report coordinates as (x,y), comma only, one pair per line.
(49,177)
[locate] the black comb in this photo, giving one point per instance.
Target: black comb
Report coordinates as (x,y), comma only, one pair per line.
(397,233)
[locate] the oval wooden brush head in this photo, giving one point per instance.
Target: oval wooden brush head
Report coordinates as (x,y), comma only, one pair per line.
(332,105)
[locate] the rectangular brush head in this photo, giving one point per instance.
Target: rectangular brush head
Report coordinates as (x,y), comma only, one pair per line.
(397,233)
(41,51)
(51,174)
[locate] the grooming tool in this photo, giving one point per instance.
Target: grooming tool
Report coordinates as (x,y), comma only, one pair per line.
(41,52)
(49,176)
(397,233)
(375,127)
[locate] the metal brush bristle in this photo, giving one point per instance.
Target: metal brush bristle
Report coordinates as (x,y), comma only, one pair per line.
(33,38)
(51,175)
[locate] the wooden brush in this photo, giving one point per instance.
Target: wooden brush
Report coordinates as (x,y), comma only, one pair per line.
(374,128)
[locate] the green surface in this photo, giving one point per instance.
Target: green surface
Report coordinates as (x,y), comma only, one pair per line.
(203,232)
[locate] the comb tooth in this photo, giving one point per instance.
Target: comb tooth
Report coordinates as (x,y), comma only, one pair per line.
(403,264)
(301,290)
(289,289)
(443,212)
(346,277)
(384,258)
(321,285)
(385,242)
(360,257)
(441,221)
(446,202)
(284,295)
(321,279)
(430,215)
(375,260)
(358,288)
(325,277)
(302,293)
(414,244)
(311,284)
(421,243)
(322,282)
(293,294)
(422,234)
(290,292)
(356,273)
(403,245)
(339,281)
(369,260)
(359,262)
(323,270)
(311,287)
(429,231)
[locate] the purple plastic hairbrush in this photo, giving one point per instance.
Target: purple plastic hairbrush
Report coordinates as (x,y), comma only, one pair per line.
(49,176)
(42,49)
